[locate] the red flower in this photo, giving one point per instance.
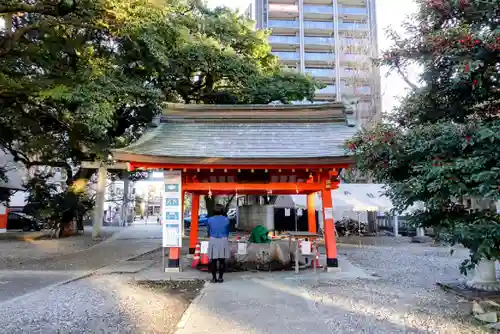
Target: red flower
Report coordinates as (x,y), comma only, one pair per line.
(467,138)
(351,146)
(474,82)
(477,41)
(466,67)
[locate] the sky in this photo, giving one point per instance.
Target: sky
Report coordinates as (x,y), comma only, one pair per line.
(389,13)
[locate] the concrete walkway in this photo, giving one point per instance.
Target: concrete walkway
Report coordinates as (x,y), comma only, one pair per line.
(401,298)
(263,303)
(252,306)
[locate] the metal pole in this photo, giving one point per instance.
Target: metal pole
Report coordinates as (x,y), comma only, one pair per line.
(163,257)
(297,257)
(237,210)
(315,255)
(359,224)
(295,215)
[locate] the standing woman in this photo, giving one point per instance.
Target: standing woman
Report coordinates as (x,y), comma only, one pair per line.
(218,246)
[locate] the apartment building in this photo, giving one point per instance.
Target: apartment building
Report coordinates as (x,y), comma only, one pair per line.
(332,40)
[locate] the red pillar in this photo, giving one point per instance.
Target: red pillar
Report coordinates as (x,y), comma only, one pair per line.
(311,212)
(329,230)
(193,234)
(3,218)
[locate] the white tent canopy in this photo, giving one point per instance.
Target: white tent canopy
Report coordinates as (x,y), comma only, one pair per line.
(361,197)
(350,197)
(353,197)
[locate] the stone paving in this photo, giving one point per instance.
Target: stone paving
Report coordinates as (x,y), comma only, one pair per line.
(403,299)
(20,254)
(25,274)
(126,243)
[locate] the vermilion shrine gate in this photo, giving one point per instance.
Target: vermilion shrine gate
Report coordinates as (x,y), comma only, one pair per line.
(250,150)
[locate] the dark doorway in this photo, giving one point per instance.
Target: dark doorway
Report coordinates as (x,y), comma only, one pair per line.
(282,222)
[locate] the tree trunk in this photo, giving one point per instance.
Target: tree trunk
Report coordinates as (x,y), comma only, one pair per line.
(483,274)
(79,222)
(125,211)
(99,203)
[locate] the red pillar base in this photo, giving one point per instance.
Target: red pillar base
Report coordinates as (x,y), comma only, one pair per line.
(332,263)
(3,219)
(173,263)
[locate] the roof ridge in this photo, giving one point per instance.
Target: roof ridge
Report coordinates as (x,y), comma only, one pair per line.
(325,112)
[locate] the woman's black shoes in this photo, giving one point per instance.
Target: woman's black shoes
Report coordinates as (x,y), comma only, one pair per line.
(220,280)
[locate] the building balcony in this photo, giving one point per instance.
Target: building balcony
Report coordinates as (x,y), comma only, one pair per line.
(327,43)
(283,26)
(351,58)
(362,27)
(352,3)
(317,27)
(356,91)
(323,73)
(319,58)
(347,73)
(329,90)
(354,41)
(318,12)
(287,57)
(352,12)
(284,41)
(282,11)
(318,2)
(287,2)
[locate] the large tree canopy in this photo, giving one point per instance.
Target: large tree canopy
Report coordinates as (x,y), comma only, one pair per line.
(441,146)
(78,77)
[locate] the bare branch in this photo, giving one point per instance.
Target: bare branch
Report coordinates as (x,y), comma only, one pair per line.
(398,69)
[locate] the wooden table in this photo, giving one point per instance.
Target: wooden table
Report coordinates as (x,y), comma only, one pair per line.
(300,235)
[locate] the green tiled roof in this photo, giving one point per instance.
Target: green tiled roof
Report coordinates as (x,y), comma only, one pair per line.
(183,135)
(237,140)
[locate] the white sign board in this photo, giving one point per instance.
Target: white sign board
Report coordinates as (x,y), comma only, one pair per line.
(300,212)
(242,248)
(172,209)
(204,247)
(287,212)
(305,247)
(328,213)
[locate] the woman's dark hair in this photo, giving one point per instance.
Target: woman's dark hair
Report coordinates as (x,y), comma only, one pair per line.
(219,210)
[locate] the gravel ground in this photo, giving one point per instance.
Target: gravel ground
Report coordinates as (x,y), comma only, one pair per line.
(404,300)
(106,304)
